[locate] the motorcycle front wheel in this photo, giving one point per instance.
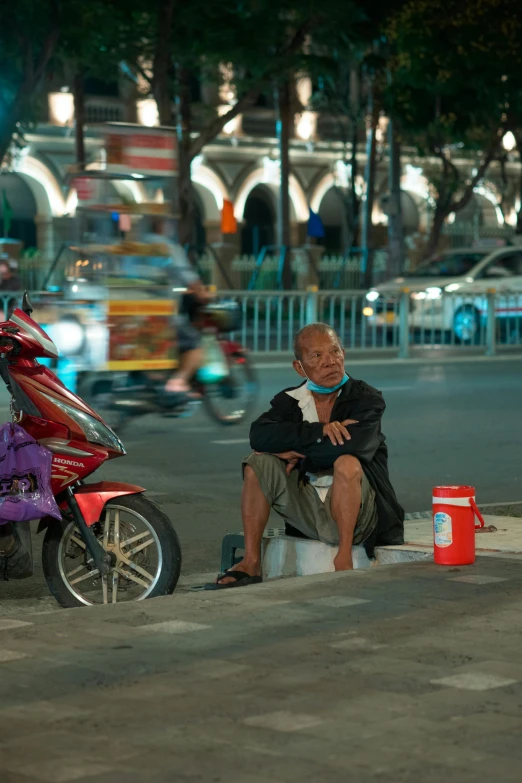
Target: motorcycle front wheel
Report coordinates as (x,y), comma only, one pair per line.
(230,401)
(145,546)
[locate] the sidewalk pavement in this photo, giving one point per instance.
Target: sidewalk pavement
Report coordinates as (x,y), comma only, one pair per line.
(405,674)
(501,535)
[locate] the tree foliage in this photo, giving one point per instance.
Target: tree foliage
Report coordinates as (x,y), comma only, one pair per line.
(39,38)
(29,34)
(449,72)
(265,43)
(455,68)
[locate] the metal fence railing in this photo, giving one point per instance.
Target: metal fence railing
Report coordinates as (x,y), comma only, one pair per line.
(473,232)
(332,272)
(32,268)
(347,272)
(398,323)
(8,301)
(269,320)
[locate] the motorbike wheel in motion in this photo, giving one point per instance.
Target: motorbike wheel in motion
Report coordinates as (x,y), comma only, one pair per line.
(230,400)
(144,548)
(100,398)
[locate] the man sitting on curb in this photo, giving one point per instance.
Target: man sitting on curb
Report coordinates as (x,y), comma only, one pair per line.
(320,461)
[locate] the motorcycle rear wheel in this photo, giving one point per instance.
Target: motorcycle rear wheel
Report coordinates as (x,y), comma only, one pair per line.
(146,547)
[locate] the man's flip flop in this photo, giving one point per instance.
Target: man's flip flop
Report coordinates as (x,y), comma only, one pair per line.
(241,578)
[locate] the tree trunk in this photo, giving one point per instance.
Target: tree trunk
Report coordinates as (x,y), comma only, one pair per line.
(355,202)
(7,129)
(435,231)
(79,119)
(519,213)
(186,222)
(446,204)
(185,198)
(284,124)
(371,170)
(162,62)
(395,225)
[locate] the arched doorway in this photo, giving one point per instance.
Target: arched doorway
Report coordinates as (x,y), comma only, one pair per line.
(479,210)
(470,213)
(332,212)
(259,221)
(23,209)
(409,210)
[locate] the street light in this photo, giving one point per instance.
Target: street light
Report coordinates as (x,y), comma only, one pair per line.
(508,141)
(61,107)
(305,125)
(148,112)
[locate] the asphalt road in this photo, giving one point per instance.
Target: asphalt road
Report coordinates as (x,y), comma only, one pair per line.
(446,423)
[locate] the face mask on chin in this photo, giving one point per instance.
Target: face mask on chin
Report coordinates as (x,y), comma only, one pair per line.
(314,387)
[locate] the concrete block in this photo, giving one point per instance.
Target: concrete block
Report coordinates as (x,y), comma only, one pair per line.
(288,556)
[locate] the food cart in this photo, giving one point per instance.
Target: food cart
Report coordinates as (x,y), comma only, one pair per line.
(110,308)
(107,300)
(110,303)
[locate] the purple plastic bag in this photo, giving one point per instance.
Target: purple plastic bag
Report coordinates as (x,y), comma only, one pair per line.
(25,477)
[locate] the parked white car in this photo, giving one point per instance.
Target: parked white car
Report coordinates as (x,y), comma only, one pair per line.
(450,292)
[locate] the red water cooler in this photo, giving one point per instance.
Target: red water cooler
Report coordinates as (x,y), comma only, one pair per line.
(454,512)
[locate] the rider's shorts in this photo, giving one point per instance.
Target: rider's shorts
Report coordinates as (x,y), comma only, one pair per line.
(189,337)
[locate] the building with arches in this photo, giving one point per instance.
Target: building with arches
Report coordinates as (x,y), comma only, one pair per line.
(241,165)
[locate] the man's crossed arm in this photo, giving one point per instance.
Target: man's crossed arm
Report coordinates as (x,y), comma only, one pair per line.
(321,443)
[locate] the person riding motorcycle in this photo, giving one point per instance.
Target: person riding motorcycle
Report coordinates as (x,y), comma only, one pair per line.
(181,275)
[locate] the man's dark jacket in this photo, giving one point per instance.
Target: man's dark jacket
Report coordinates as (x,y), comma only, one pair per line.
(282,429)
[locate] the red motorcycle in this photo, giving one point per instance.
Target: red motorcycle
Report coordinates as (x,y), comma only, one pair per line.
(113,543)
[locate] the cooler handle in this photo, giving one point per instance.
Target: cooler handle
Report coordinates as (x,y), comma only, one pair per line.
(477,514)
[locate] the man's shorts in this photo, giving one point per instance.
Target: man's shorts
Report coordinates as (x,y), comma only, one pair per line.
(189,337)
(300,505)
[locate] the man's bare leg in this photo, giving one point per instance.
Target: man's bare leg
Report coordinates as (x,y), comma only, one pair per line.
(345,505)
(255,512)
(191,361)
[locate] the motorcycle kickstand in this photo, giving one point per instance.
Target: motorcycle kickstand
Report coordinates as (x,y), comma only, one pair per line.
(102,560)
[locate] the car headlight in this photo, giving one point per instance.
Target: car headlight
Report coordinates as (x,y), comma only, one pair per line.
(68,335)
(372,296)
(434,292)
(95,431)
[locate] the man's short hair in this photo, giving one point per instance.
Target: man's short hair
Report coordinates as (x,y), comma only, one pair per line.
(319,327)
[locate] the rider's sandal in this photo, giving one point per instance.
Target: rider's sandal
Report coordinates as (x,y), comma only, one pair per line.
(242,579)
(173,399)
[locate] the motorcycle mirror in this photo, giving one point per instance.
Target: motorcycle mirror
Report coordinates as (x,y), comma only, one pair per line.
(27,307)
